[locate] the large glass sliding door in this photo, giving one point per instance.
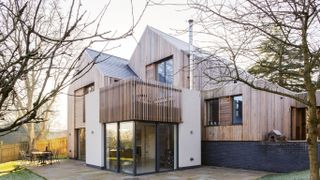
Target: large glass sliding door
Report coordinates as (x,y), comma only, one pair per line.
(166,150)
(140,147)
(112,146)
(145,147)
(126,133)
(81,144)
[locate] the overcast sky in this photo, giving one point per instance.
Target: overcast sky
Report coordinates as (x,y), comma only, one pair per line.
(118,19)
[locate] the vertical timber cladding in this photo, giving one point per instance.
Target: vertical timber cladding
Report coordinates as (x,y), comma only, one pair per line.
(137,100)
(225,111)
(79,107)
(262,112)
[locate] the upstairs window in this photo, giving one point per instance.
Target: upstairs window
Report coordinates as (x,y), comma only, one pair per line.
(89,88)
(79,102)
(164,70)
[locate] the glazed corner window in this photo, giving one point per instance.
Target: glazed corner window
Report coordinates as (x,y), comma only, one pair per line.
(237,110)
(213,112)
(165,71)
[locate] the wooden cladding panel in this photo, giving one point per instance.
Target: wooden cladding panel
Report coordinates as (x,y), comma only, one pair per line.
(298,130)
(137,100)
(225,111)
(151,72)
(262,112)
(79,106)
(152,48)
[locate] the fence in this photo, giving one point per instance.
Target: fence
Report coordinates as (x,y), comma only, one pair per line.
(11,152)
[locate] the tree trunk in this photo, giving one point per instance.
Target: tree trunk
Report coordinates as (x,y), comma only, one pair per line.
(31,137)
(312,122)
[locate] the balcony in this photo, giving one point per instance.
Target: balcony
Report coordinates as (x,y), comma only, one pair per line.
(142,101)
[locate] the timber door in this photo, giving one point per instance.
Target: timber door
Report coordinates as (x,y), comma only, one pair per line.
(298,123)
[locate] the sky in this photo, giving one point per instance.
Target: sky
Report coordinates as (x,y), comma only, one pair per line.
(118,19)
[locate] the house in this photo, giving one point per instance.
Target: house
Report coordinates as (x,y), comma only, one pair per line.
(140,116)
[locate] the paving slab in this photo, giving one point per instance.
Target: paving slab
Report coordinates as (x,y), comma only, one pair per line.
(73,169)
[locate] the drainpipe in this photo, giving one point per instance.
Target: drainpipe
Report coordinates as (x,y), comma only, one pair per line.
(191,83)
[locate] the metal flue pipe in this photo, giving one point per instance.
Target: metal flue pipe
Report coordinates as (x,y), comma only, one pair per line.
(191,63)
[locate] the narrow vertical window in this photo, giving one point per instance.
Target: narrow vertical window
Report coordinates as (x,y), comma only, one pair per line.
(213,112)
(237,110)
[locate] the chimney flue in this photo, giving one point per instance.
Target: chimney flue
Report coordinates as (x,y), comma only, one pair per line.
(191,83)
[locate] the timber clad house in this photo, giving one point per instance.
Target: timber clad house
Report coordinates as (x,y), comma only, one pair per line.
(140,116)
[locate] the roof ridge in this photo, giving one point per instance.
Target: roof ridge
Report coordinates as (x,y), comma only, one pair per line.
(166,34)
(120,58)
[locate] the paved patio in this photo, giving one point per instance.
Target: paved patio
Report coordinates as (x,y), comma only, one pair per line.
(73,169)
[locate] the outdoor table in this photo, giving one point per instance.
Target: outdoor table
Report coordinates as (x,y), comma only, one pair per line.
(42,156)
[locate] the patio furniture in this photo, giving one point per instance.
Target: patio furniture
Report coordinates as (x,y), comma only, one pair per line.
(42,156)
(25,157)
(56,156)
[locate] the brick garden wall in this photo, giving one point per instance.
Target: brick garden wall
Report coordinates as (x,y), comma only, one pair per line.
(265,156)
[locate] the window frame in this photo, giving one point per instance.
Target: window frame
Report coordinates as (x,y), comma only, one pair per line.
(207,111)
(164,60)
(86,90)
(232,120)
(232,110)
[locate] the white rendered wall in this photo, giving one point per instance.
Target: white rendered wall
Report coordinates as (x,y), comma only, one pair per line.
(190,130)
(94,131)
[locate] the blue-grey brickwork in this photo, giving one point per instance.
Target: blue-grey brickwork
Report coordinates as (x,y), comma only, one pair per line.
(265,156)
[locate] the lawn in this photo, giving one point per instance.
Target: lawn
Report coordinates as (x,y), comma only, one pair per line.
(301,175)
(12,170)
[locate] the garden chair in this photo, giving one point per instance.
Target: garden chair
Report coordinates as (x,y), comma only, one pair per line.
(56,156)
(25,157)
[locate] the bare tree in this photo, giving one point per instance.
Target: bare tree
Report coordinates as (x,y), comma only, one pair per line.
(29,89)
(238,27)
(40,46)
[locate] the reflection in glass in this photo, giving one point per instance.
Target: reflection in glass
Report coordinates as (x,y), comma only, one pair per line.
(237,110)
(166,147)
(81,144)
(145,147)
(169,71)
(111,145)
(126,147)
(165,71)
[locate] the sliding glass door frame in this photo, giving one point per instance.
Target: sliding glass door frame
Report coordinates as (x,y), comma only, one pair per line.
(134,155)
(80,147)
(117,148)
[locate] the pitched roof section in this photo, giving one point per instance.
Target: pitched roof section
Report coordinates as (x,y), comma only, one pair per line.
(172,40)
(110,65)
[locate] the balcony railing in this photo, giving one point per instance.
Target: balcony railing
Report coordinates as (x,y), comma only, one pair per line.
(137,100)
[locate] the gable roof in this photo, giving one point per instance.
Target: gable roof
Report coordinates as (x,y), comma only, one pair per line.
(110,65)
(172,40)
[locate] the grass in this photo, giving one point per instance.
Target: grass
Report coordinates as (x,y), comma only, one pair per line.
(21,174)
(298,175)
(8,166)
(13,170)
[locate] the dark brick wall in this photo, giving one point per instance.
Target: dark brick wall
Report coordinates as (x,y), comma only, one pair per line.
(274,157)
